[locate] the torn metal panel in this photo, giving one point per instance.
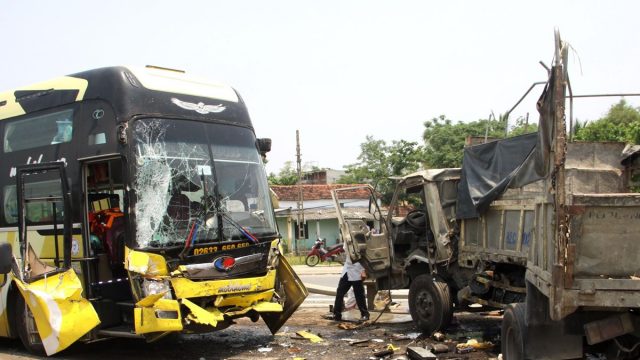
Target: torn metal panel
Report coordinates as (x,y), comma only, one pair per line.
(185,288)
(203,316)
(61,314)
(145,263)
(162,315)
(150,300)
(290,288)
(243,300)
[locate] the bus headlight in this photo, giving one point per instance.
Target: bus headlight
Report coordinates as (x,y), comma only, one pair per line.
(152,287)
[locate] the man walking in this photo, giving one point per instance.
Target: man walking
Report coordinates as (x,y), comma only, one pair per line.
(352,276)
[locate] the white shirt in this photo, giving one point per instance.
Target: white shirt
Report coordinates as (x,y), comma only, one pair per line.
(352,270)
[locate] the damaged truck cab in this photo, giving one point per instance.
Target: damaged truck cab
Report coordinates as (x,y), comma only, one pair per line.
(134,204)
(538,225)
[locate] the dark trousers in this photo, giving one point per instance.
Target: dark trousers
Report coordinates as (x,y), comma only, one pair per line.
(358,291)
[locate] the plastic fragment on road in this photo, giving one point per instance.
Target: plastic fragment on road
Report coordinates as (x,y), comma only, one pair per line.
(392,347)
(264,349)
(309,336)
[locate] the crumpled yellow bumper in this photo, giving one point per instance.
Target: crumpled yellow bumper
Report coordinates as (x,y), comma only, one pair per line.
(156,314)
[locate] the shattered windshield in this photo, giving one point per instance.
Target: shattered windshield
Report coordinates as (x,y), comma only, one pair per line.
(191,176)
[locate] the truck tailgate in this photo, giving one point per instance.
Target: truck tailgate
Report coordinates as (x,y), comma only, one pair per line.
(605,229)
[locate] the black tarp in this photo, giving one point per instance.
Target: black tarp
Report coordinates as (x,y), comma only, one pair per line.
(490,169)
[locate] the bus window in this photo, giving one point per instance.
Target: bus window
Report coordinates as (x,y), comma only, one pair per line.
(37,131)
(36,212)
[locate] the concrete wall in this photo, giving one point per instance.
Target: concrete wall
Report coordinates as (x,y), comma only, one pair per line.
(326,228)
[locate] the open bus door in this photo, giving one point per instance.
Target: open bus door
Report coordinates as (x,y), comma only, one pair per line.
(56,314)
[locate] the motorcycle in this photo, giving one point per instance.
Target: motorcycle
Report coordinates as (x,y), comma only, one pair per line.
(319,253)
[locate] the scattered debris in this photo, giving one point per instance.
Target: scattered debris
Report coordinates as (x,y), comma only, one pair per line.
(392,347)
(419,353)
(309,336)
(264,349)
(348,326)
(377,340)
(464,349)
(383,353)
(400,337)
(439,348)
(477,345)
(438,336)
(595,356)
(358,342)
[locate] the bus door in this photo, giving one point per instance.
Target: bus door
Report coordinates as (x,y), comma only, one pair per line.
(50,288)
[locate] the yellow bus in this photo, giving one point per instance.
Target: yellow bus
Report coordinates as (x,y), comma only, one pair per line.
(134,203)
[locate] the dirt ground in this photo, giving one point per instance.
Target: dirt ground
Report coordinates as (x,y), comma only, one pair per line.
(248,340)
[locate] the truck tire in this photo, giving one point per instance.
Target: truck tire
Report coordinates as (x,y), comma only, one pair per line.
(312,260)
(513,332)
(26,325)
(430,304)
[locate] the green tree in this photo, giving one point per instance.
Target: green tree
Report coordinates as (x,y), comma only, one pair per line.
(378,162)
(444,140)
(621,123)
(522,126)
(286,176)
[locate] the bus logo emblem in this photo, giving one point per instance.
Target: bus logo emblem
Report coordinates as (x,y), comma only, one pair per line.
(200,107)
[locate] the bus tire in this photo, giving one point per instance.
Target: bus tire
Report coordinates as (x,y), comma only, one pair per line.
(312,260)
(513,332)
(25,325)
(430,304)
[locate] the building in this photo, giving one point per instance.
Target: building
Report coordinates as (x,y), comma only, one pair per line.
(324,176)
(320,218)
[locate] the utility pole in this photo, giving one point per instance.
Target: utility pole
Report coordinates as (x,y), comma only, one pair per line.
(300,234)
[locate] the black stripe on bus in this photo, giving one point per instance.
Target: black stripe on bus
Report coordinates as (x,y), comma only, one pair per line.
(50,232)
(34,100)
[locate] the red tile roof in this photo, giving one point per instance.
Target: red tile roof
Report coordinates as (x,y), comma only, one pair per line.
(317,192)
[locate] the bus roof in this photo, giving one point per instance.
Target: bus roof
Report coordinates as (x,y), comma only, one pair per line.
(132,91)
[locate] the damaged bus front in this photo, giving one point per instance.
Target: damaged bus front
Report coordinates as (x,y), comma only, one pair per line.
(205,235)
(143,208)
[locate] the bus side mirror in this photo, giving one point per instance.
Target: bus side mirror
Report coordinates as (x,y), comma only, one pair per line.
(264,145)
(6,258)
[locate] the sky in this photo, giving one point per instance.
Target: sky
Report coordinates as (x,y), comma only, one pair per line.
(338,71)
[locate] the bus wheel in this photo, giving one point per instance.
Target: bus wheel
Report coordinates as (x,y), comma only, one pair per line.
(430,304)
(312,260)
(26,327)
(513,330)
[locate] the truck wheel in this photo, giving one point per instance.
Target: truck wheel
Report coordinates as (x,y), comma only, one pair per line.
(26,327)
(513,330)
(312,260)
(430,304)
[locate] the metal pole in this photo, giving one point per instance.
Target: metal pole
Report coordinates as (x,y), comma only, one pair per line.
(300,218)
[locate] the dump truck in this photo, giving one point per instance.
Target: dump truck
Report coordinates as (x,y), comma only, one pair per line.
(542,227)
